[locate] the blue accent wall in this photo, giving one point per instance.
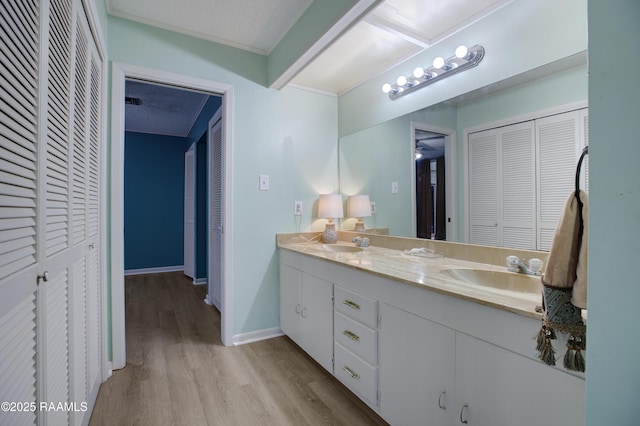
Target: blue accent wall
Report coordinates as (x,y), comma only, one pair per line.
(153,200)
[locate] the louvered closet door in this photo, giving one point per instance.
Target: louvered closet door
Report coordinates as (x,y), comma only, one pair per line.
(19,47)
(518,180)
(558,144)
(216,155)
(190,213)
(85,357)
(483,187)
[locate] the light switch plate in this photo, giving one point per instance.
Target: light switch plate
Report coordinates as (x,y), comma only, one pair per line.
(394,187)
(264,182)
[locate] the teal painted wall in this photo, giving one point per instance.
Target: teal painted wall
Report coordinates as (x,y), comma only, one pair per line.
(373,158)
(153,200)
(290,135)
(613,370)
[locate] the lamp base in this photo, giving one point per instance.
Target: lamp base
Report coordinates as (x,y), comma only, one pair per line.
(330,235)
(359,227)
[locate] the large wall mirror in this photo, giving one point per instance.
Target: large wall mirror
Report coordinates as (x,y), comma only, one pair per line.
(416,168)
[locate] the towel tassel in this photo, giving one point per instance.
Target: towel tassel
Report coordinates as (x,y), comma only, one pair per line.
(546,352)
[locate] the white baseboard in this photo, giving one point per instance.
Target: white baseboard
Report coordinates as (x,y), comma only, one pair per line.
(200,281)
(155,270)
(255,336)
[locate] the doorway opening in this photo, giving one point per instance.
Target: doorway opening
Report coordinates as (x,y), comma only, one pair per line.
(430,185)
(433,181)
(120,74)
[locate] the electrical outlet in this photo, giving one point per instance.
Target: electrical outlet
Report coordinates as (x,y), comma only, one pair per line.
(373,207)
(297,208)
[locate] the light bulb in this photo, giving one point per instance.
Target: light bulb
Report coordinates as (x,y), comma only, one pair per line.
(438,62)
(461,52)
(386,88)
(402,80)
(418,72)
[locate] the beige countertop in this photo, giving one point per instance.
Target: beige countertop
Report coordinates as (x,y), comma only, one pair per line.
(431,272)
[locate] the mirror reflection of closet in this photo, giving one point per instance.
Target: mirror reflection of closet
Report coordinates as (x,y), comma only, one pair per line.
(430,185)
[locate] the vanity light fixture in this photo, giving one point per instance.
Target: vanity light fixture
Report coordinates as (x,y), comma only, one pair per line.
(330,207)
(463,59)
(359,207)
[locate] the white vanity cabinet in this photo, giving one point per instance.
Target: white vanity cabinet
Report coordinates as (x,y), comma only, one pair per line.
(417,369)
(306,313)
(496,387)
(421,357)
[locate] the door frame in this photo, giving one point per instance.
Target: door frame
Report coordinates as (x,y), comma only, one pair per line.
(450,177)
(119,73)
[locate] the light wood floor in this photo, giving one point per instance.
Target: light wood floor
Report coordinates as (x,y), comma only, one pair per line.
(179,373)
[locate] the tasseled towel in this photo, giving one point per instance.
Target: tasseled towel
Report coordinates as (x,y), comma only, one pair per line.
(565,287)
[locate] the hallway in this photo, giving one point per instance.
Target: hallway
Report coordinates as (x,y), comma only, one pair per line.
(178,372)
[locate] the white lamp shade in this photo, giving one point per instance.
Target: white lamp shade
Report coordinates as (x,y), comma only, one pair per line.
(359,206)
(330,205)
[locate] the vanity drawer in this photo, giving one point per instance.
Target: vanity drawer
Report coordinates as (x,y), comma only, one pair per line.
(356,374)
(356,306)
(361,340)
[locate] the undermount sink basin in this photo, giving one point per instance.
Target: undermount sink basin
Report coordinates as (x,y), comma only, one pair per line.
(498,280)
(341,249)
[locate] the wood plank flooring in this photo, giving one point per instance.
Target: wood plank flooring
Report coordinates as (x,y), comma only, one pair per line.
(179,373)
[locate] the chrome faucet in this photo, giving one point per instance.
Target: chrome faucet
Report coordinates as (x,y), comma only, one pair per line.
(531,266)
(361,242)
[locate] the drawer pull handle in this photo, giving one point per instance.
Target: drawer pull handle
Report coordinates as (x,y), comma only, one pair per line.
(351,304)
(464,408)
(441,404)
(350,372)
(351,335)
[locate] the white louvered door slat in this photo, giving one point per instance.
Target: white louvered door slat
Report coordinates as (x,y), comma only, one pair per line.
(79,132)
(189,212)
(93,300)
(216,155)
(18,355)
(19,68)
(557,144)
(483,187)
(53,305)
(56,383)
(584,141)
(518,186)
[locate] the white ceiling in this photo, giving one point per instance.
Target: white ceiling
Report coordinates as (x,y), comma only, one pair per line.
(391,33)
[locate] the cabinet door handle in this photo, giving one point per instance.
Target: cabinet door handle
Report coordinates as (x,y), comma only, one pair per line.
(304,312)
(298,308)
(350,372)
(351,335)
(464,420)
(351,304)
(442,404)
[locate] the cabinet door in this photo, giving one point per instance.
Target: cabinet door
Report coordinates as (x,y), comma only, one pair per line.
(500,388)
(416,369)
(291,302)
(317,319)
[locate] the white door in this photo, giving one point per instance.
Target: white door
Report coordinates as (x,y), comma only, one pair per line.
(216,173)
(190,213)
(50,143)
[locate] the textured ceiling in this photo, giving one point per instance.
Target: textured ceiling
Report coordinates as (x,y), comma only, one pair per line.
(162,110)
(256,26)
(390,34)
